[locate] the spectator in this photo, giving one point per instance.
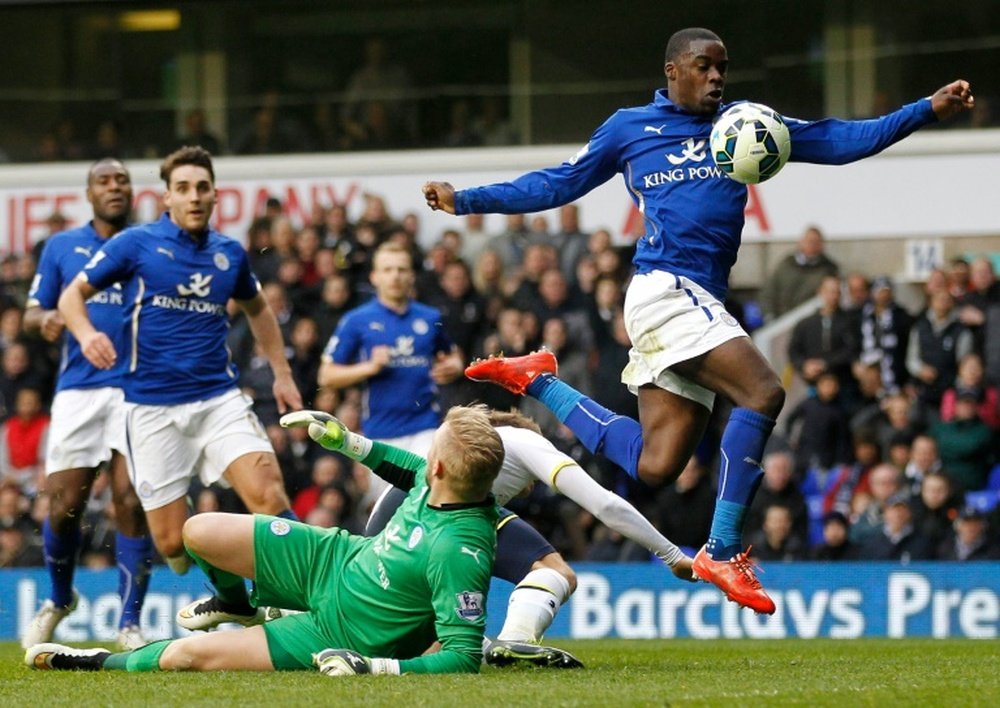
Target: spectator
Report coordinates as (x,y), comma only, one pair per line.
(867,506)
(23,442)
(839,487)
(837,545)
(538,258)
(797,276)
(818,428)
(971,377)
(488,279)
(885,331)
(969,541)
(462,308)
(775,541)
(923,460)
(825,340)
(16,373)
(935,508)
(306,347)
(778,487)
(553,301)
(897,540)
(965,442)
(958,278)
(511,243)
(983,292)
(196,133)
(327,470)
(16,549)
(937,342)
(378,81)
(569,241)
(266,135)
(263,258)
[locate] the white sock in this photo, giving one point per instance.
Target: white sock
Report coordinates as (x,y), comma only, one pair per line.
(533,605)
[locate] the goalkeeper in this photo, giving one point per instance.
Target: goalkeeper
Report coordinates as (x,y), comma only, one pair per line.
(368,605)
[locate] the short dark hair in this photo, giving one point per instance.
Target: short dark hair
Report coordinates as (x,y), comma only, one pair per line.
(187,155)
(104,161)
(680,41)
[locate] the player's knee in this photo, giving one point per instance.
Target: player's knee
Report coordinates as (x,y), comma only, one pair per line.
(770,398)
(659,470)
(180,655)
(196,531)
(266,497)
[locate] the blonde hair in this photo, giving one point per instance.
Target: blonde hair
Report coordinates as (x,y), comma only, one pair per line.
(390,247)
(470,450)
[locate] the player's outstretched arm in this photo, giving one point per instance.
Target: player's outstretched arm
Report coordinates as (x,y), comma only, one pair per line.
(952,99)
(329,432)
(440,196)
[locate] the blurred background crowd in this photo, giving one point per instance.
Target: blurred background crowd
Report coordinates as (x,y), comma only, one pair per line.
(890,456)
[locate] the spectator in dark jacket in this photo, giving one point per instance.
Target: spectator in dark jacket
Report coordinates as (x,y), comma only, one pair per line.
(897,540)
(836,546)
(885,330)
(819,428)
(969,541)
(825,340)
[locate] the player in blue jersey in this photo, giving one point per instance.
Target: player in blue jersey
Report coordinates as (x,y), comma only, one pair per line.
(399,349)
(185,415)
(685,347)
(88,425)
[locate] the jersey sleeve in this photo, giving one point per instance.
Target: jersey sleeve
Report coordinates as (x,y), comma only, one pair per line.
(837,142)
(247,286)
(458,574)
(47,284)
(593,165)
(396,466)
(345,343)
(114,263)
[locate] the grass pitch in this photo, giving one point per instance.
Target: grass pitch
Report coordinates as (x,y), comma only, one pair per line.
(619,673)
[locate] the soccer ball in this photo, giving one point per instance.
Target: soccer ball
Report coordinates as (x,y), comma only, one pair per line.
(750,143)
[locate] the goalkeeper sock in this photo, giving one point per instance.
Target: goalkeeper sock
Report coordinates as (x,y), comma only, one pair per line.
(146,658)
(533,605)
(134,556)
(60,560)
(231,589)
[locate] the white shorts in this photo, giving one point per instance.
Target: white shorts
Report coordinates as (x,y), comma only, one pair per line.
(671,319)
(87,424)
(169,445)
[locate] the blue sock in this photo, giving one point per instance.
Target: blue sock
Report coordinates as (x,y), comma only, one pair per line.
(740,474)
(60,559)
(617,437)
(287,514)
(134,557)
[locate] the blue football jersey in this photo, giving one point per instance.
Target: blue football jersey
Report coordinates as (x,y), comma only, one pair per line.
(176,290)
(401,399)
(692,211)
(65,254)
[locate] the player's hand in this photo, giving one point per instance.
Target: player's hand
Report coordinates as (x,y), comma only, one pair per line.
(341,662)
(440,196)
(446,368)
(52,325)
(98,350)
(286,393)
(324,428)
(381,355)
(952,99)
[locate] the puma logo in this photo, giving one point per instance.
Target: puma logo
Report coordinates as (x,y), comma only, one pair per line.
(474,554)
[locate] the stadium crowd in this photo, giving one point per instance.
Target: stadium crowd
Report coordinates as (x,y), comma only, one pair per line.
(890,456)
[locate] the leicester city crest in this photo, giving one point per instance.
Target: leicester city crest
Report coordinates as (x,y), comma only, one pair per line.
(420,326)
(221,262)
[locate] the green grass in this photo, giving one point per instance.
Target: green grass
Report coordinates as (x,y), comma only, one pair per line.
(619,673)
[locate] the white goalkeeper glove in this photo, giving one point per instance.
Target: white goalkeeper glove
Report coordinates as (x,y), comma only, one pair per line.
(329,432)
(346,662)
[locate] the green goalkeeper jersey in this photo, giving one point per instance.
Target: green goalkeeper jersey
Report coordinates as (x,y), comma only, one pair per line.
(424,577)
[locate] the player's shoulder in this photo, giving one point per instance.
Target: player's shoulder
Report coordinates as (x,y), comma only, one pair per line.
(71,237)
(422,309)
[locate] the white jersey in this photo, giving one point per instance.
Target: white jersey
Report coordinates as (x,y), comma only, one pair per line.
(529,457)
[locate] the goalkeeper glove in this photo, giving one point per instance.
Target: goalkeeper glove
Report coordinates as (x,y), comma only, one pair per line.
(346,662)
(329,432)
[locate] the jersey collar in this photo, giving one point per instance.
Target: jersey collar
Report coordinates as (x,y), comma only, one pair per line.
(168,228)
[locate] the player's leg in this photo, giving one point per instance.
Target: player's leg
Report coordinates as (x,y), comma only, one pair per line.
(133,552)
(737,370)
(68,492)
(223,547)
(543,582)
(165,524)
(256,477)
(653,449)
(242,650)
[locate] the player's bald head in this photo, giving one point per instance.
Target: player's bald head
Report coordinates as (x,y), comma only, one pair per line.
(680,41)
